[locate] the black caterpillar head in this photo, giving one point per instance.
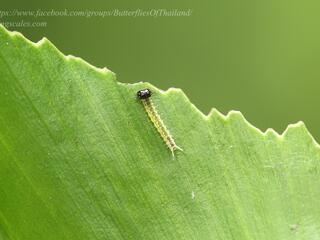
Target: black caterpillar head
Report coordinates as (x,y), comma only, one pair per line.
(144,93)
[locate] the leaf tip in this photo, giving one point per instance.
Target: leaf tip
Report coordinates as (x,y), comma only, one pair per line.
(296,130)
(270,132)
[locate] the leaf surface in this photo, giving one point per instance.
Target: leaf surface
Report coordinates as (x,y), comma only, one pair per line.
(79,159)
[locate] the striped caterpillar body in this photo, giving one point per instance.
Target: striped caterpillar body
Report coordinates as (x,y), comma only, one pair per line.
(144,95)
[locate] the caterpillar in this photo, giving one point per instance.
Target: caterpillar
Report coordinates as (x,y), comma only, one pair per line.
(145,96)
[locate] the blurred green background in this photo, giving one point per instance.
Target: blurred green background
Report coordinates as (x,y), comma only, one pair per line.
(259,57)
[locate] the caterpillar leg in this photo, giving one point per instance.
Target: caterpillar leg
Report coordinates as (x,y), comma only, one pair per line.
(172,152)
(174,148)
(178,148)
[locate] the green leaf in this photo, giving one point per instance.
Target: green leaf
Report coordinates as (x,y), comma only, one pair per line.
(79,159)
